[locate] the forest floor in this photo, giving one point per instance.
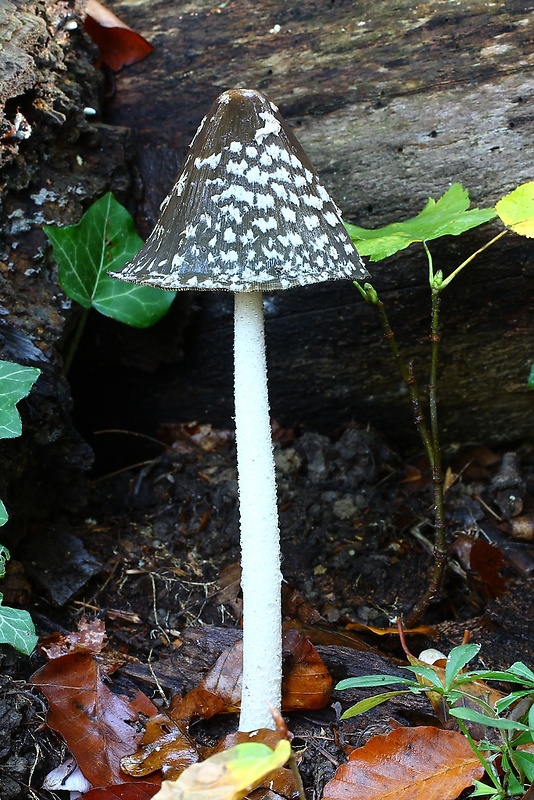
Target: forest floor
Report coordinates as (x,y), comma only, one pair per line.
(156,557)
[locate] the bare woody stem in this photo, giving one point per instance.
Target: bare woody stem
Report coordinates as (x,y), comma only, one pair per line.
(407,373)
(260,537)
(440,546)
(431,443)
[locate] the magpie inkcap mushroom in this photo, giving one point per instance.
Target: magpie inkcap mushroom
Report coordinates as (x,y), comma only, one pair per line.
(249,214)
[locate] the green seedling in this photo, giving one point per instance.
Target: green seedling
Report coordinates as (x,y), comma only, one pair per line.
(507,750)
(16,381)
(450,215)
(104,239)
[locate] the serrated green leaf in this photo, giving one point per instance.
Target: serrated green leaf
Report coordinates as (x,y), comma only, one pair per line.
(457,659)
(370,702)
(17,629)
(4,516)
(15,383)
(105,239)
(516,210)
(448,216)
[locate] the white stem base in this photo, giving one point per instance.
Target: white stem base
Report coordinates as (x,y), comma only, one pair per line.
(260,537)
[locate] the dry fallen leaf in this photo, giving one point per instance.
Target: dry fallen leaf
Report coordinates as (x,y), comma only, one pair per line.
(407,764)
(118,45)
(97,724)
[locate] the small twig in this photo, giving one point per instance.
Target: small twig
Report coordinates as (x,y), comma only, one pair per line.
(467,261)
(296,775)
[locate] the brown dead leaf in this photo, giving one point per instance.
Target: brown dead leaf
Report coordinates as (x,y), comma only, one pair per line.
(423,630)
(407,764)
(165,746)
(97,724)
(124,791)
(486,561)
(189,436)
(118,45)
(89,638)
(306,684)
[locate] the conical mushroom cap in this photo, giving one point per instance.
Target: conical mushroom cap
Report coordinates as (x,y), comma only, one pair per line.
(247,212)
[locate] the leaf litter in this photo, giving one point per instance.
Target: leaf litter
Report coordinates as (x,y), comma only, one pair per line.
(163,552)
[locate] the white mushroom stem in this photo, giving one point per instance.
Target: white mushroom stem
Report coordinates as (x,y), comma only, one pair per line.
(260,536)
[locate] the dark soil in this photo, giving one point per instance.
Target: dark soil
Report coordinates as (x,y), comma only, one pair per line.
(156,555)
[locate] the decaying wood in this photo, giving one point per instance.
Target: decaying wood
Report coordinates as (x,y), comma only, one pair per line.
(392,103)
(53,162)
(182,670)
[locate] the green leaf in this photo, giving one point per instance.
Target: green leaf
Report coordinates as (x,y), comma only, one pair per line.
(429,675)
(15,383)
(367,681)
(457,659)
(4,558)
(516,210)
(370,702)
(522,671)
(490,675)
(105,239)
(531,377)
(493,722)
(17,629)
(483,790)
(231,774)
(502,704)
(526,762)
(4,516)
(448,216)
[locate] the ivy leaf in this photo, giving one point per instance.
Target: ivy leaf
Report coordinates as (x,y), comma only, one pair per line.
(15,383)
(17,629)
(4,558)
(531,377)
(448,216)
(516,210)
(3,519)
(105,239)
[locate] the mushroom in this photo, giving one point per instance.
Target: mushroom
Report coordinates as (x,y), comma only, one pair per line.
(247,214)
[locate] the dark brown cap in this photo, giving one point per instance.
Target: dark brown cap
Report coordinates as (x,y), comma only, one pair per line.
(247,212)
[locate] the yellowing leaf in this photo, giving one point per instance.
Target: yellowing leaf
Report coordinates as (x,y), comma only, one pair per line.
(407,764)
(517,210)
(229,775)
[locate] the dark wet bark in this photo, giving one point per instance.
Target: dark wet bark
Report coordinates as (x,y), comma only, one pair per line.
(392,107)
(53,162)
